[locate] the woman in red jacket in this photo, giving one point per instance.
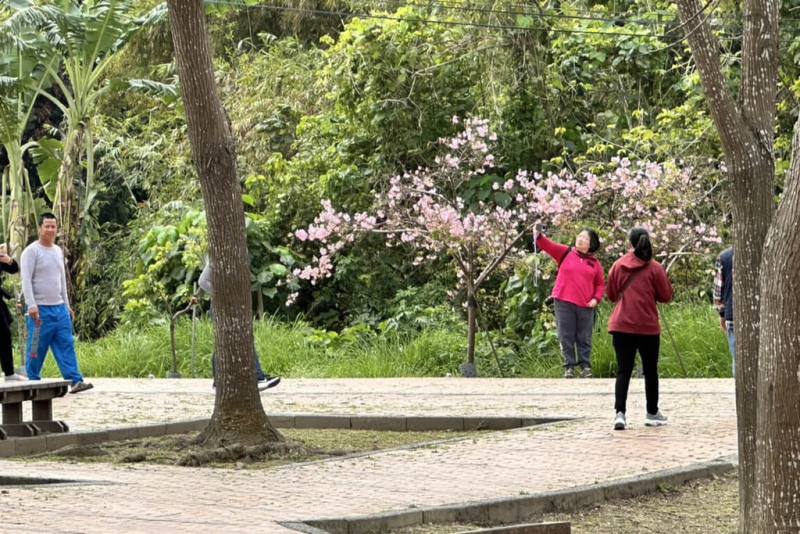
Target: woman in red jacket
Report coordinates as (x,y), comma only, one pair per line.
(637,283)
(579,287)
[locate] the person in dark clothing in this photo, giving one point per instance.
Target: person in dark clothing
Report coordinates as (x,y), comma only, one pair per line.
(723,298)
(265,381)
(636,283)
(7,265)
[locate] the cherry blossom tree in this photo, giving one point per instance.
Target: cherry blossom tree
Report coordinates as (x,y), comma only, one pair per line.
(462,208)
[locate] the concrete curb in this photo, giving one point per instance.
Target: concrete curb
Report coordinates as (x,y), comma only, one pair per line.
(52,442)
(518,509)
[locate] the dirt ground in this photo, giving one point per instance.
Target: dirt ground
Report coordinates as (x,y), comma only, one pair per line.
(700,507)
(301,446)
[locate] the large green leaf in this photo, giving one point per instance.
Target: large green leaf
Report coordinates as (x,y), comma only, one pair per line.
(48,156)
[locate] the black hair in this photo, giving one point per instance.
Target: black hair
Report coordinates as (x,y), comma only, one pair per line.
(46,216)
(640,241)
(594,240)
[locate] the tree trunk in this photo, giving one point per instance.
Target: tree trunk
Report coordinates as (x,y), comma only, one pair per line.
(746,134)
(750,224)
(238,414)
(468,369)
(66,204)
(17,216)
(778,443)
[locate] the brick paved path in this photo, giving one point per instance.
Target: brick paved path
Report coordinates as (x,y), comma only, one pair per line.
(169,499)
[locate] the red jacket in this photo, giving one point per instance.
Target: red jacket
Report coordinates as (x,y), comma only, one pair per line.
(636,311)
(580,276)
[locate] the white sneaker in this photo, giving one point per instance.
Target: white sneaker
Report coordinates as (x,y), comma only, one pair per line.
(655,419)
(16,378)
(619,421)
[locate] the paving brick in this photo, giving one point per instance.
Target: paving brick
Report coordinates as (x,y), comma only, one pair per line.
(505,511)
(152,431)
(180,427)
(372,422)
(321,421)
(424,424)
(535,467)
(491,423)
(34,445)
(7,448)
(282,421)
(92,438)
(122,434)
(384,522)
(57,441)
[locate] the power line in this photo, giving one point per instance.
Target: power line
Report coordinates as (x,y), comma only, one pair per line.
(617,17)
(346,14)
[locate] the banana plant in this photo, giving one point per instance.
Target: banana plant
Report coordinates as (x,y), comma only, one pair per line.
(24,57)
(86,35)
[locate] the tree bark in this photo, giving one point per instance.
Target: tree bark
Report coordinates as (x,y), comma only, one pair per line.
(66,205)
(746,133)
(472,327)
(778,428)
(238,414)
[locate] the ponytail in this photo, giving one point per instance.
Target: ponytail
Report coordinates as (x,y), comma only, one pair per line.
(640,241)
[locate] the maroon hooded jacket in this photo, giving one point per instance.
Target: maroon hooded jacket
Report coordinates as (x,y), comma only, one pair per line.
(636,311)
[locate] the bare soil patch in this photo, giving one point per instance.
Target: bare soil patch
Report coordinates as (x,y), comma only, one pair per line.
(699,507)
(300,446)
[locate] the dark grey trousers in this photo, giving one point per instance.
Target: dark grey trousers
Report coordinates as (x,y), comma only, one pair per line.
(575,326)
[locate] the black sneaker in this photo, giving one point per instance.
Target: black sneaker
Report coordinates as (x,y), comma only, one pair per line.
(268,382)
(80,386)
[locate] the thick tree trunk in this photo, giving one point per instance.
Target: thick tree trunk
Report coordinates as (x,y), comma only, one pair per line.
(778,429)
(751,220)
(746,133)
(238,414)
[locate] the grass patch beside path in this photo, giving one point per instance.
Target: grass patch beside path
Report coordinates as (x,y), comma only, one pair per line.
(296,350)
(699,507)
(303,445)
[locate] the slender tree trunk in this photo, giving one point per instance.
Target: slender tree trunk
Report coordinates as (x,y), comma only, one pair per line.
(238,414)
(778,460)
(17,229)
(746,134)
(472,314)
(66,204)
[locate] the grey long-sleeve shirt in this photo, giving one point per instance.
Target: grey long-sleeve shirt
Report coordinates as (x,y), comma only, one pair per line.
(205,279)
(44,279)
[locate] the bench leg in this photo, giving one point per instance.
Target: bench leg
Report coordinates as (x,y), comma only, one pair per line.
(45,427)
(20,430)
(42,410)
(12,413)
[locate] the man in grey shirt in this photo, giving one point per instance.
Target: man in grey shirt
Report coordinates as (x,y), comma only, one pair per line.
(44,284)
(265,381)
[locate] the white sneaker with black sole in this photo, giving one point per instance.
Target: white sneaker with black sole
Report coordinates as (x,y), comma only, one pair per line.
(619,421)
(268,382)
(655,419)
(16,378)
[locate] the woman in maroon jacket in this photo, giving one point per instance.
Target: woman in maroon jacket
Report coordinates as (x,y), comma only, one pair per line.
(637,283)
(579,287)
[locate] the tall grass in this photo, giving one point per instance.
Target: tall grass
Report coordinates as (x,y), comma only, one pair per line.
(297,350)
(699,347)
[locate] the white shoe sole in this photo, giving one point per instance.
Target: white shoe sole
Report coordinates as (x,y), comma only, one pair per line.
(654,423)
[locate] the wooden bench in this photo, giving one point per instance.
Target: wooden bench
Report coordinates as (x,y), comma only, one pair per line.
(41,394)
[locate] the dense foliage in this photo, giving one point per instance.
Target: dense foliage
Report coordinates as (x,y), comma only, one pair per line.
(331,107)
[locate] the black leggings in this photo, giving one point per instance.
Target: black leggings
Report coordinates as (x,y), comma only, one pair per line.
(6,355)
(626,345)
